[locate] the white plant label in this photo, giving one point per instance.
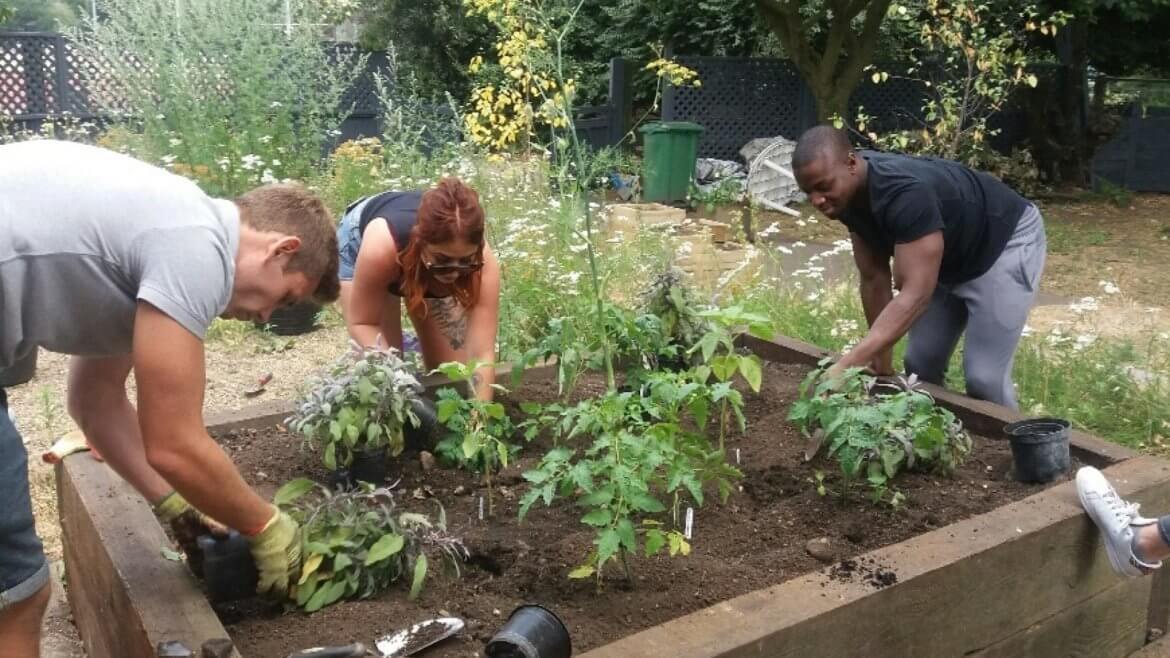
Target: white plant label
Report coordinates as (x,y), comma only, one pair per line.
(481,508)
(737,456)
(690,523)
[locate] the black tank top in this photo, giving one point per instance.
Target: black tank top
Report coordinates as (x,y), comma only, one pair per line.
(400,210)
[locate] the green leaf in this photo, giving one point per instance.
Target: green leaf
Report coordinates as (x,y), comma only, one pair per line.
(581,476)
(749,367)
(306,591)
(625,530)
(527,500)
(655,540)
(646,503)
(444,409)
(607,545)
(470,446)
(335,430)
(331,456)
(530,408)
(708,344)
(388,545)
(292,490)
(325,595)
(494,410)
(365,390)
(453,370)
(598,518)
(316,547)
(724,367)
(597,498)
(420,575)
(373,432)
(341,562)
(535,477)
(583,571)
(700,409)
(502,451)
(170,554)
(352,434)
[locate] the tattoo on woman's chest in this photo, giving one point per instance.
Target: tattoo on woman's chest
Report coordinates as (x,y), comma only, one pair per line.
(451,319)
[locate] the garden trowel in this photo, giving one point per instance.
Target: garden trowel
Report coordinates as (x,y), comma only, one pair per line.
(404,643)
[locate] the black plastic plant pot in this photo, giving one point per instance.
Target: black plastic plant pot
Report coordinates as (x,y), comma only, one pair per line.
(370,465)
(532,631)
(1039,448)
(293,320)
(421,437)
(228,568)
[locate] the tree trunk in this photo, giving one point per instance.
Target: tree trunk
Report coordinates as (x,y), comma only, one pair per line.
(832,68)
(1074,54)
(831,103)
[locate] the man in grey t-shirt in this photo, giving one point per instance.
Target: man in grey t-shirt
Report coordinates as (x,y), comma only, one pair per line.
(125,265)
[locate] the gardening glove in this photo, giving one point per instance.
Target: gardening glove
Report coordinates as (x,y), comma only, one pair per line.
(276,549)
(187,524)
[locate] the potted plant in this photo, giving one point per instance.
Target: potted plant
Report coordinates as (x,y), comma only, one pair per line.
(357,412)
(354,544)
(357,543)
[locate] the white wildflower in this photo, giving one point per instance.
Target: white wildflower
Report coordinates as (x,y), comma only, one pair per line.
(251,161)
(168,159)
(267,177)
(175,142)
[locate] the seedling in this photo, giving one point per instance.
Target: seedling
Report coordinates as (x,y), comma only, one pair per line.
(478,429)
(876,436)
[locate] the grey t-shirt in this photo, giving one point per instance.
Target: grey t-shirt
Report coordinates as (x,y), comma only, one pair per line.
(86,232)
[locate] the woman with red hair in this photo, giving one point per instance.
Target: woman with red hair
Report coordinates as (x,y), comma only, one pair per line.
(427,249)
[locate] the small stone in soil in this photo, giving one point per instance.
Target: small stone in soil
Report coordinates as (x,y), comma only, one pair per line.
(460,490)
(821,548)
(426,460)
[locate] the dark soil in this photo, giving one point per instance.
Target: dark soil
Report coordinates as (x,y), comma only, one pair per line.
(756,539)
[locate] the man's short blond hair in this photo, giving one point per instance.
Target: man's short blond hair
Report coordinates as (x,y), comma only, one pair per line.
(293,210)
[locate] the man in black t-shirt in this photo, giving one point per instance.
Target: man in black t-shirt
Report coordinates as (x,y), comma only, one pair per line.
(967,255)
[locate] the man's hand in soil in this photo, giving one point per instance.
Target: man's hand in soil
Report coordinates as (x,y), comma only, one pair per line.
(276,549)
(187,524)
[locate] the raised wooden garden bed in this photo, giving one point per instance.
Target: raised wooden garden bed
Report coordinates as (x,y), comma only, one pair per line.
(1026,578)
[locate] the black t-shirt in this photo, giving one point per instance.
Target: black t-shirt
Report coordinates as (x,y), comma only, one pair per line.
(911,197)
(400,210)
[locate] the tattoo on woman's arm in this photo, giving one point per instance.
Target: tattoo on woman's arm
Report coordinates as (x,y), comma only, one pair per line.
(451,318)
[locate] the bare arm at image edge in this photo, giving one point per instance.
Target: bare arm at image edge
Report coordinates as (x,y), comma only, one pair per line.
(169,371)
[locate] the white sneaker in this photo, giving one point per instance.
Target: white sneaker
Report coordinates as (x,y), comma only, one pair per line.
(1115,518)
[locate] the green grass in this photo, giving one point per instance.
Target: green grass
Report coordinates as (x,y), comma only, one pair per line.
(1065,238)
(1090,382)
(538,238)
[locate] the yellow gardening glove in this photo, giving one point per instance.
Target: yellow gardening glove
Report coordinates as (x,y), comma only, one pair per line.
(187,524)
(276,549)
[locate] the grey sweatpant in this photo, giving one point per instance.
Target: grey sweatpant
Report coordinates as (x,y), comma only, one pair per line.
(992,309)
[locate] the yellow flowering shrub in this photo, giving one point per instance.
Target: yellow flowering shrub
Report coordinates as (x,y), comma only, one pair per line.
(504,113)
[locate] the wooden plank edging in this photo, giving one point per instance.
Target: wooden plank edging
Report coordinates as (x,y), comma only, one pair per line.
(116,571)
(126,597)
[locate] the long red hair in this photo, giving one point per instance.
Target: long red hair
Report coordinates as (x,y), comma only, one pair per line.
(449,212)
